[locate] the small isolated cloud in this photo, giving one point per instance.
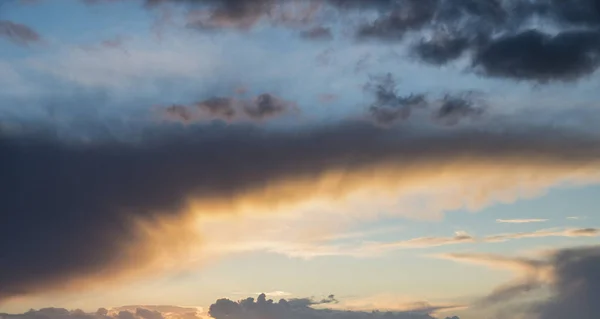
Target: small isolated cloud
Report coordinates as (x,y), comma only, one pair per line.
(521,221)
(391,107)
(262,107)
(18,33)
(317,33)
(575,217)
(457,107)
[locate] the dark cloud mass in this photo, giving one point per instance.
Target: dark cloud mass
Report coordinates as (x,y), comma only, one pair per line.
(576,290)
(571,276)
(69,210)
(533,55)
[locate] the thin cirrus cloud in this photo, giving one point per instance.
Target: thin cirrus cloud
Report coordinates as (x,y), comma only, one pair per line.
(364,248)
(521,221)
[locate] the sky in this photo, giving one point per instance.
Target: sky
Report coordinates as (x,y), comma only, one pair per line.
(402,159)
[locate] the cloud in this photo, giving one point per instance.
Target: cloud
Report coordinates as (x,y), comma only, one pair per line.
(260,108)
(424,242)
(329,245)
(317,33)
(302,308)
(457,107)
(105,208)
(126,312)
(573,232)
(261,307)
(393,303)
(521,221)
(533,55)
(391,107)
(500,37)
(571,275)
(18,33)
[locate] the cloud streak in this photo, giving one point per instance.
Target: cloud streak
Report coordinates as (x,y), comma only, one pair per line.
(521,221)
(326,246)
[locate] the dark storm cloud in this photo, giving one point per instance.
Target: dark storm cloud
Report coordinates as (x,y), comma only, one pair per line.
(520,54)
(69,209)
(298,309)
(572,276)
(533,55)
(18,33)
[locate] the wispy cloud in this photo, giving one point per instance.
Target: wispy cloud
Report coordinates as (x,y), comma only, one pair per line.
(308,248)
(569,232)
(521,221)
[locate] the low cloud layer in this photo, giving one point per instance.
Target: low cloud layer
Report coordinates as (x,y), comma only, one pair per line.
(105,207)
(248,308)
(303,308)
(126,312)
